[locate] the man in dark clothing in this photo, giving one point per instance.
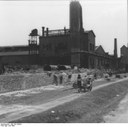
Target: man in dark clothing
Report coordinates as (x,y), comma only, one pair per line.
(55,79)
(61,79)
(79,80)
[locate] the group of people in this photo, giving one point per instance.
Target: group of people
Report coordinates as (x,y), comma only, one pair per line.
(86,80)
(59,78)
(56,79)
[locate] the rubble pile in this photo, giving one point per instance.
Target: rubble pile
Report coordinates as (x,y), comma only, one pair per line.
(21,68)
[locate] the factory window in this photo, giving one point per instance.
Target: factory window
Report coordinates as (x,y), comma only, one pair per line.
(93,47)
(90,47)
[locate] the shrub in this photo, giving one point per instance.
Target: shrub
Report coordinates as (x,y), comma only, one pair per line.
(118,76)
(61,67)
(47,68)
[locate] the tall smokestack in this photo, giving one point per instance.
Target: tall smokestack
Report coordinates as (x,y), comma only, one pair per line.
(47,31)
(43,31)
(115,48)
(76,23)
(76,27)
(64,30)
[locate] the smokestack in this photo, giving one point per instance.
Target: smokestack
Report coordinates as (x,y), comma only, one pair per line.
(64,30)
(43,31)
(46,31)
(115,47)
(76,23)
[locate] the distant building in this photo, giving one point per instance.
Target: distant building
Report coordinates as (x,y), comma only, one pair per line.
(124,51)
(124,58)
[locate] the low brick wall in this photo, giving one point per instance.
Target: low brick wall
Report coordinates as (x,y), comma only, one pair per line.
(10,82)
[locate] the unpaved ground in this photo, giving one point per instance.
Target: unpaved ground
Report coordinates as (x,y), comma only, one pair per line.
(32,90)
(120,115)
(19,111)
(16,111)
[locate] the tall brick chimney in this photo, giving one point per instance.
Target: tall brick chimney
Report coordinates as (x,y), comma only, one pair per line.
(47,31)
(76,27)
(76,23)
(43,31)
(115,48)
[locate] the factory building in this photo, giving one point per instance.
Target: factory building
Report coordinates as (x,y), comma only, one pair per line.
(72,46)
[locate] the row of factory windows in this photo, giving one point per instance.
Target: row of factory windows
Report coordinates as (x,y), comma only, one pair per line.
(98,61)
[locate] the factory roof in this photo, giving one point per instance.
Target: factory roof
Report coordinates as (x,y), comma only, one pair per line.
(88,31)
(15,53)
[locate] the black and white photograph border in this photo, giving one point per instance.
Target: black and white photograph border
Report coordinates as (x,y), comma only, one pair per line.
(63,61)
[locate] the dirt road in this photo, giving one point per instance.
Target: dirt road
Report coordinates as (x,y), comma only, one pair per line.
(16,111)
(120,115)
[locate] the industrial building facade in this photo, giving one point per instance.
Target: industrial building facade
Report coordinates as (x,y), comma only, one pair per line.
(73,46)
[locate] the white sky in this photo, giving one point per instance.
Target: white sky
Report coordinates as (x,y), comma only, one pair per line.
(107,18)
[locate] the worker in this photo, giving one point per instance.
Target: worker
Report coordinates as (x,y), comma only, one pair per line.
(79,81)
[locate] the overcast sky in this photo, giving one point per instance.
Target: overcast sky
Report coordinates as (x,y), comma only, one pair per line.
(107,18)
